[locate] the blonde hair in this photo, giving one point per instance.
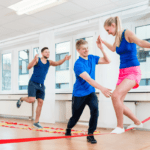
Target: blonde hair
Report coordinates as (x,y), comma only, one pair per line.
(80,42)
(119,28)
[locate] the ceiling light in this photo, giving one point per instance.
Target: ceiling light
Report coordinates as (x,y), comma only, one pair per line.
(33,6)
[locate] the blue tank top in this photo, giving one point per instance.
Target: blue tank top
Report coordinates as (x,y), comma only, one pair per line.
(39,72)
(128,53)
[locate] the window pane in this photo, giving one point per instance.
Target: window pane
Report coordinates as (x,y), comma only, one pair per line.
(148,32)
(141,32)
(143,82)
(90,41)
(144,55)
(6,72)
(148,82)
(62,71)
(23,71)
(35,51)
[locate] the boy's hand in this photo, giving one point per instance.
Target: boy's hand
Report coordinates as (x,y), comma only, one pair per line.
(106,92)
(67,57)
(99,42)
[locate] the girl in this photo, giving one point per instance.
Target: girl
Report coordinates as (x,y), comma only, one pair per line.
(129,72)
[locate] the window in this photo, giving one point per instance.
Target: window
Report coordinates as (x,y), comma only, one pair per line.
(65,65)
(62,71)
(6,72)
(23,71)
(64,76)
(144,54)
(35,51)
(90,46)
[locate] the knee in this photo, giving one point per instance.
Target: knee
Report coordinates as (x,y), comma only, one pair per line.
(40,103)
(95,110)
(116,96)
(31,100)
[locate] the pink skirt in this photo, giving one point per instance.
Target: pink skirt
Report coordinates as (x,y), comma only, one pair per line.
(132,73)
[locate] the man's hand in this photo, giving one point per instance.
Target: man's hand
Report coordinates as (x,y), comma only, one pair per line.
(33,62)
(67,57)
(106,92)
(36,57)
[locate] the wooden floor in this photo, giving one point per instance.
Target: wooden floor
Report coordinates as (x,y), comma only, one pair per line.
(131,140)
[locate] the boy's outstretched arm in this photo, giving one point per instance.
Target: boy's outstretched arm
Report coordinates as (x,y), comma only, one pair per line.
(86,77)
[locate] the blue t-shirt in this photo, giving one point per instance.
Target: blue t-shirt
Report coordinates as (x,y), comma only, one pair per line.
(39,72)
(128,53)
(81,87)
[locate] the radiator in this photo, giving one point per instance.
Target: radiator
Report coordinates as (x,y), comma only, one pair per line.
(8,106)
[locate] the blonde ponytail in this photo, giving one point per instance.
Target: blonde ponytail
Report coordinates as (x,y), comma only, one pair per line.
(119,29)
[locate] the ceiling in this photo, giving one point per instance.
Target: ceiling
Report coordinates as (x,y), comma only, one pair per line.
(12,25)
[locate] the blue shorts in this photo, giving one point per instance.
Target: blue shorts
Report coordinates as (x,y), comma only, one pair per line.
(36,90)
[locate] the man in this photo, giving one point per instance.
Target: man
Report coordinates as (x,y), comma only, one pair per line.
(36,88)
(84,87)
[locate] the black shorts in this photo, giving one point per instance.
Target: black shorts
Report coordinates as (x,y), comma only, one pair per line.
(36,90)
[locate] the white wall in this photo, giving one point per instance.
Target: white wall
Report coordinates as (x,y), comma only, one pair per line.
(143,112)
(48,110)
(60,111)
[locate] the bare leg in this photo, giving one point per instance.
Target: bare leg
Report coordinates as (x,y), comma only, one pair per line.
(38,109)
(28,99)
(119,92)
(127,112)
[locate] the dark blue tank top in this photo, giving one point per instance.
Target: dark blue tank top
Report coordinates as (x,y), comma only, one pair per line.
(128,53)
(39,72)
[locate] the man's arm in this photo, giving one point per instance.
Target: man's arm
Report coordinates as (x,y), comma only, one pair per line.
(93,83)
(57,63)
(33,62)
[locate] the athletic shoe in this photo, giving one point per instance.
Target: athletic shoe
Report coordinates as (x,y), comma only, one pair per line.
(68,132)
(19,103)
(37,125)
(118,130)
(91,139)
(135,126)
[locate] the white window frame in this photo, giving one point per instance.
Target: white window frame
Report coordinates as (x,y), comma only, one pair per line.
(34,46)
(16,68)
(140,88)
(61,40)
(2,53)
(31,57)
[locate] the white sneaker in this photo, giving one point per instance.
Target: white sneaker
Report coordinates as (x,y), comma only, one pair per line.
(135,126)
(118,130)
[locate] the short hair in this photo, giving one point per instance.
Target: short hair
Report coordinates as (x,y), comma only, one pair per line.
(80,42)
(43,49)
